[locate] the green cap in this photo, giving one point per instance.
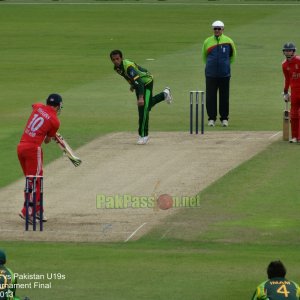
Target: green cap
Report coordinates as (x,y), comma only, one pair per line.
(2,257)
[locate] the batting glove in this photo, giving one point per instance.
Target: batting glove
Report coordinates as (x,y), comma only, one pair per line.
(286,97)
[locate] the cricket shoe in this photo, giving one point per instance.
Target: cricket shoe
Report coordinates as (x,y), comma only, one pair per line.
(140,140)
(143,140)
(293,141)
(225,123)
(38,217)
(168,95)
(24,218)
(211,123)
(146,139)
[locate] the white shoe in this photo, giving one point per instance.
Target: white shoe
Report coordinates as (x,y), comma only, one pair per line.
(140,140)
(30,219)
(225,123)
(146,139)
(211,123)
(143,140)
(168,95)
(45,219)
(293,140)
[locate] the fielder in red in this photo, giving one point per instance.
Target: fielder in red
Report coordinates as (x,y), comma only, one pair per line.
(291,71)
(41,126)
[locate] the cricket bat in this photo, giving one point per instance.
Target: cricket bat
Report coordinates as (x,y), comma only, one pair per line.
(286,123)
(62,143)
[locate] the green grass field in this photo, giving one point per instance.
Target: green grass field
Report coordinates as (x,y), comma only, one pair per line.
(247,218)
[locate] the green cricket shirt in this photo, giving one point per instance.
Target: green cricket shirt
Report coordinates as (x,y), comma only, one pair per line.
(137,76)
(277,289)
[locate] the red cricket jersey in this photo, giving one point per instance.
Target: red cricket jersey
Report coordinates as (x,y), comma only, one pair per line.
(291,71)
(42,122)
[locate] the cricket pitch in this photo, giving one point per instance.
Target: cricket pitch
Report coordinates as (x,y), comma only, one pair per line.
(174,163)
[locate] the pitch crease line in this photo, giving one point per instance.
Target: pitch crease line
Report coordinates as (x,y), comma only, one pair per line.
(135,232)
(272,136)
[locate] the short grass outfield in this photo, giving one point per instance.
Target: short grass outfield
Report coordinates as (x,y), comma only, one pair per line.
(145,269)
(246,219)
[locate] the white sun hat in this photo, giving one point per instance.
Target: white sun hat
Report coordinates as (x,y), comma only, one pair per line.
(217,24)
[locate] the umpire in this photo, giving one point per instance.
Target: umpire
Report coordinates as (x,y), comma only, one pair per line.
(218,52)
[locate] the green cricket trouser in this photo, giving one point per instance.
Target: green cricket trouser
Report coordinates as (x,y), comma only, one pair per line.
(144,110)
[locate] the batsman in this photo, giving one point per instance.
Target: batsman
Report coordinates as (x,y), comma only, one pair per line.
(291,71)
(41,127)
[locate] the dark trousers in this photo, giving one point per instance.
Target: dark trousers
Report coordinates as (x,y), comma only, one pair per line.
(213,86)
(150,101)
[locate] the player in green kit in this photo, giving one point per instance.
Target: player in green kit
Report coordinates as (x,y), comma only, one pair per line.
(141,81)
(7,280)
(277,287)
